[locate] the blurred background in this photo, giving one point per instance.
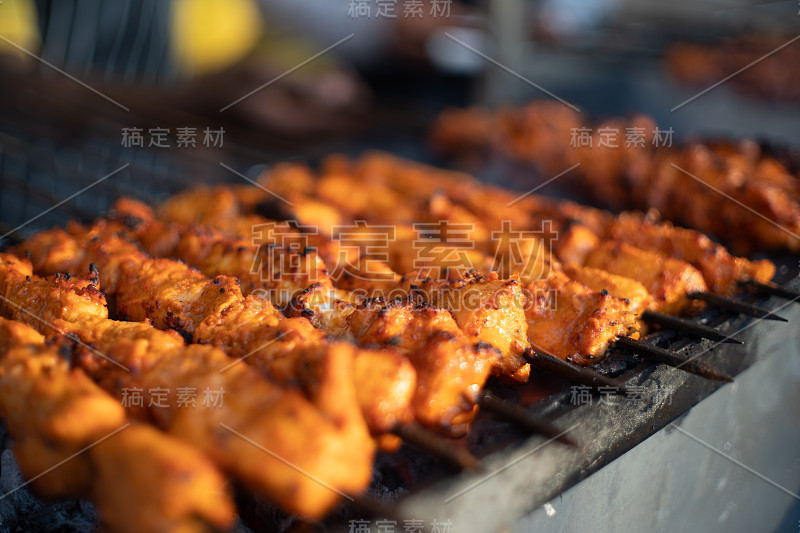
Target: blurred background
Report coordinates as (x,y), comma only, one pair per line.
(183,91)
(313,70)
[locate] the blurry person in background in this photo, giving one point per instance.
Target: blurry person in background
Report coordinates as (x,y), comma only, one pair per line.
(210,55)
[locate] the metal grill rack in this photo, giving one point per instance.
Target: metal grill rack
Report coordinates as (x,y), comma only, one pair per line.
(39,176)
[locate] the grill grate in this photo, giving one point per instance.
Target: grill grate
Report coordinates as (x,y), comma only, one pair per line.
(36,175)
(39,176)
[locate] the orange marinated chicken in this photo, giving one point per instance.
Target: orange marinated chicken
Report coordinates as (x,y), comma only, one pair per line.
(253,328)
(575,243)
(487,310)
(170,486)
(565,316)
(441,260)
(26,297)
(51,410)
(368,277)
(721,270)
(668,280)
(533,213)
(385,380)
(271,257)
(326,308)
(535,133)
(432,391)
(538,263)
(699,64)
(450,368)
(273,417)
(331,446)
(219,203)
(736,191)
(571,321)
(54,412)
(572,242)
(329,309)
(275,287)
(174,296)
(618,286)
(456,198)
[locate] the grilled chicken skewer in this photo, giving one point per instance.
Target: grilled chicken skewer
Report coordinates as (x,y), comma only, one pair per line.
(461,361)
(455,196)
(218,313)
(432,401)
(642,175)
(296,287)
(304,279)
(417,183)
(675,285)
(470,299)
(460,199)
(386,380)
(383,189)
(439,401)
(465,353)
(328,439)
(546,320)
(303,274)
(591,341)
(674,281)
(72,438)
(490,310)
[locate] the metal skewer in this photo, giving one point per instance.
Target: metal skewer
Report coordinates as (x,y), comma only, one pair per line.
(735,305)
(420,437)
(660,355)
(523,418)
(688,326)
(772,290)
(573,372)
